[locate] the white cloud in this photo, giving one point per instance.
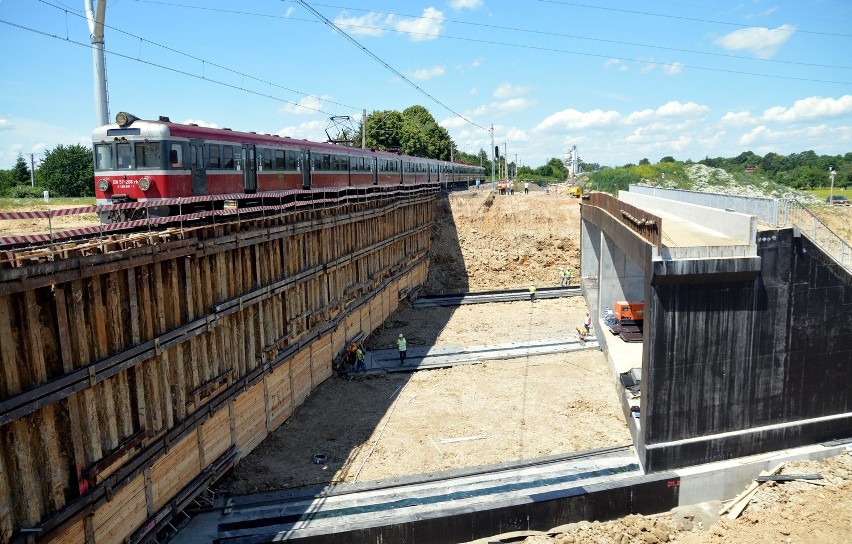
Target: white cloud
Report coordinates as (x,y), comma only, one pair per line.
(513,105)
(426,27)
(573,119)
(668,110)
(762,42)
(814,107)
(200,123)
(812,137)
(507,90)
(289,11)
(369,24)
(738,119)
(306,106)
(515,134)
(453,122)
(310,130)
(477,62)
(474,91)
(465,4)
(617,63)
(23,135)
(5,124)
(424,74)
(673,69)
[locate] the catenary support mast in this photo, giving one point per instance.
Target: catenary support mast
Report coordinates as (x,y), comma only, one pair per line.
(95,17)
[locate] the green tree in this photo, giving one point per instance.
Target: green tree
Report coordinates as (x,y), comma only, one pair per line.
(67,171)
(667,158)
(644,161)
(384,129)
(20,172)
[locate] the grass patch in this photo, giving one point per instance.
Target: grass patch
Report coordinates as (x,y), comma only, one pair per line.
(822,194)
(28,204)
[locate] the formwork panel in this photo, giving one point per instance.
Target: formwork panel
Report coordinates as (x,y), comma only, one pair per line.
(250,418)
(321,359)
(301,371)
(216,435)
(73,532)
(174,470)
(280,395)
(126,510)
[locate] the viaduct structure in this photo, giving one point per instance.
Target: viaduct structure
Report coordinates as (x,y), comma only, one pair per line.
(135,371)
(747,338)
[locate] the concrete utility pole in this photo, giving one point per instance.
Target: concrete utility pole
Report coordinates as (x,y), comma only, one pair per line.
(95,18)
(493,183)
(364,128)
(32,169)
(831,174)
(505,163)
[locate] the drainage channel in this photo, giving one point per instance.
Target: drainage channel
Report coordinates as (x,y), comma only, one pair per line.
(451,507)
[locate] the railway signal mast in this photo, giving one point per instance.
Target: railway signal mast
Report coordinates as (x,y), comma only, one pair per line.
(95,17)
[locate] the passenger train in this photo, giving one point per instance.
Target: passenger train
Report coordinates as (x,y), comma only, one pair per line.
(152,161)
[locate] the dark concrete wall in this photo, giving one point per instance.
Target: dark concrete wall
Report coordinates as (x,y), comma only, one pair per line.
(754,359)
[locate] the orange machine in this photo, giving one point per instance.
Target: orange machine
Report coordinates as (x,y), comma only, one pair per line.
(629,311)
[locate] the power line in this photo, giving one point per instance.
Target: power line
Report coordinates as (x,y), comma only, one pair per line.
(352,40)
(161,66)
(204,61)
(682,18)
(563,35)
(572,52)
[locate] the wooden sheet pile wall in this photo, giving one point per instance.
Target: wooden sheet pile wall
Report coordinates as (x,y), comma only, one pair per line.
(123,378)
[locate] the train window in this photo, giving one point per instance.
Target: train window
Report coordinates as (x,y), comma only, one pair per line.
(122,152)
(292,160)
(326,161)
(214,156)
(103,157)
(176,155)
(279,159)
(227,157)
(148,155)
(265,156)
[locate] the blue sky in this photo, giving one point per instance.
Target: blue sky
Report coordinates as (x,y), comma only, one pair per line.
(620,80)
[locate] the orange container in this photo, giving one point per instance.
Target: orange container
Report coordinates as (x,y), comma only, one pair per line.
(633,310)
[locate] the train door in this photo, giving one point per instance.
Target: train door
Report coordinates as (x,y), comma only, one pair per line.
(199,173)
(374,166)
(249,169)
(306,168)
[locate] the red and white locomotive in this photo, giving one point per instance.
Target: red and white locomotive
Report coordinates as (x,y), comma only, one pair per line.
(158,161)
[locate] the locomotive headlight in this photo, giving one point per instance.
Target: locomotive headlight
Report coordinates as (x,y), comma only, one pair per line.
(103,184)
(123,118)
(144,184)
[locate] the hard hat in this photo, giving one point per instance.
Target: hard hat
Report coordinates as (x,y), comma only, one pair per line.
(400,335)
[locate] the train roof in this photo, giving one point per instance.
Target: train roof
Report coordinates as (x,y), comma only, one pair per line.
(164,129)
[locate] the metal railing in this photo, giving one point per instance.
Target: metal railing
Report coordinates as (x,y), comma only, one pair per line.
(646,225)
(772,211)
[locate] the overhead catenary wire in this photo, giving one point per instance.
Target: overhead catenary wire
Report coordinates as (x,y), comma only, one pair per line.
(570,36)
(204,61)
(375,57)
(582,53)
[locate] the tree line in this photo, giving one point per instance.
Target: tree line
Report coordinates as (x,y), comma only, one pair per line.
(65,171)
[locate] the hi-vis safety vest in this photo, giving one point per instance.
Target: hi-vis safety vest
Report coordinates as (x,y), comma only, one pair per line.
(401,344)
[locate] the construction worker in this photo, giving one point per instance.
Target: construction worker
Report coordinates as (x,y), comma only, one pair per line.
(402,346)
(532,293)
(587,327)
(526,187)
(567,277)
(561,277)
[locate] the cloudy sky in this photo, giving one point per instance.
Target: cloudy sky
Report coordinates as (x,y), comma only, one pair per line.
(621,81)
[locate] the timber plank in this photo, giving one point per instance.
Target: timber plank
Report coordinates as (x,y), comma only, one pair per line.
(300,366)
(280,396)
(189,303)
(86,402)
(217,435)
(137,378)
(73,532)
(177,377)
(119,517)
(18,442)
(105,395)
(250,418)
(9,367)
(163,363)
(174,470)
(7,522)
(153,397)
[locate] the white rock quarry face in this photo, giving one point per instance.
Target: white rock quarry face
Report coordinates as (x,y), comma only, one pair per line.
(716,180)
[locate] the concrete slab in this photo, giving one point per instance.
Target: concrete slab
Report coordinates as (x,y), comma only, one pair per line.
(347,508)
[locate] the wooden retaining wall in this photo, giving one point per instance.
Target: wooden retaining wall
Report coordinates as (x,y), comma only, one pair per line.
(133,377)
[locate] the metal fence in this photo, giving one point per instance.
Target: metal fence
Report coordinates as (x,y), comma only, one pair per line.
(772,211)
